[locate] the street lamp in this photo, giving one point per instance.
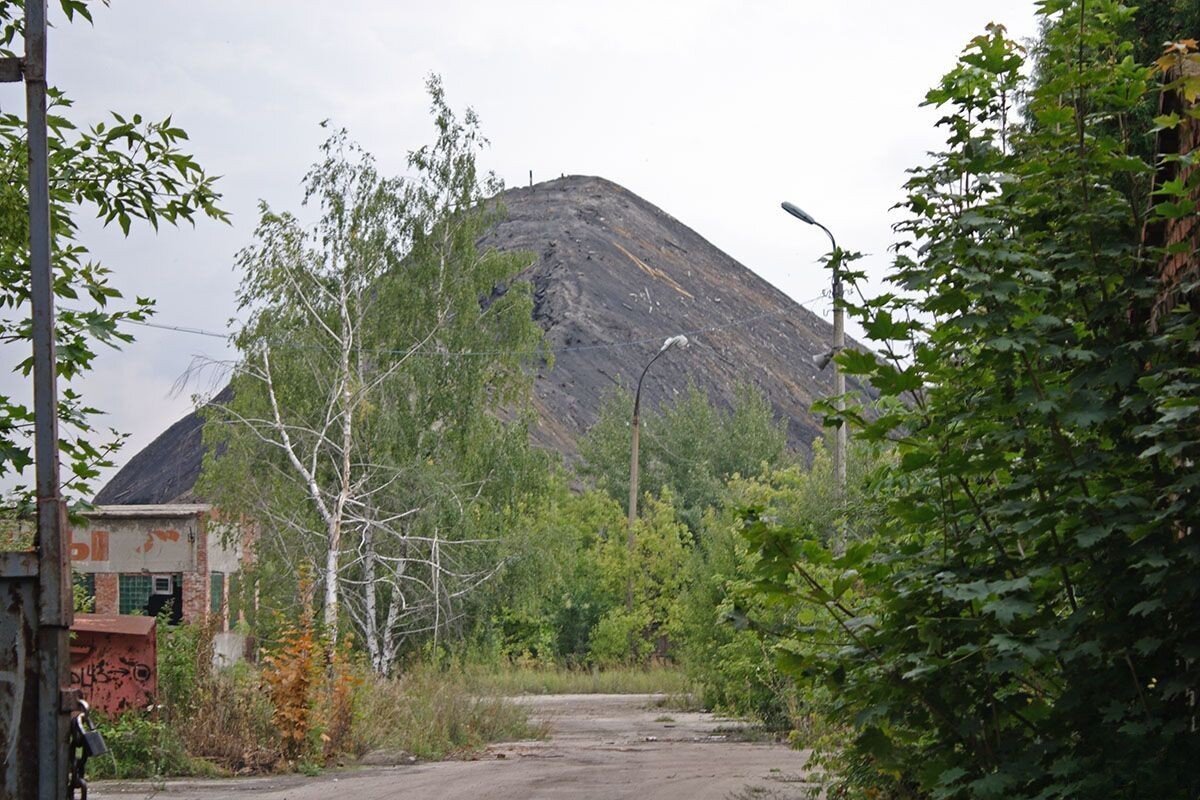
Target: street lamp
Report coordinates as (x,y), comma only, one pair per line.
(839,342)
(680,341)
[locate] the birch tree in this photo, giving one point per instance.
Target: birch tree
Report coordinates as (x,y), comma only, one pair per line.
(378,344)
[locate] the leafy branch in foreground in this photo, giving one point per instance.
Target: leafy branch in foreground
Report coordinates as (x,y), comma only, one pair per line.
(125,169)
(1031,611)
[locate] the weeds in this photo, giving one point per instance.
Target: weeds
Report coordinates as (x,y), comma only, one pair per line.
(231,723)
(141,746)
(517,679)
(433,713)
(289,677)
(295,712)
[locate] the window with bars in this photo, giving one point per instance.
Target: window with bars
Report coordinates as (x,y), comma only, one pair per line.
(134,593)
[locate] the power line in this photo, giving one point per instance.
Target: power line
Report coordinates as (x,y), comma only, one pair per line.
(179,329)
(554,350)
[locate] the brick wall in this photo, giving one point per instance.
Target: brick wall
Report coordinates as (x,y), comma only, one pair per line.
(107,593)
(196,584)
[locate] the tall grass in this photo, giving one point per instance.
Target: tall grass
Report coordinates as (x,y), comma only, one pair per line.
(433,713)
(517,679)
(227,722)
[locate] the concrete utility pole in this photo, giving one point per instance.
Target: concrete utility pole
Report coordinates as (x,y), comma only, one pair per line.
(38,608)
(681,341)
(839,343)
(55,598)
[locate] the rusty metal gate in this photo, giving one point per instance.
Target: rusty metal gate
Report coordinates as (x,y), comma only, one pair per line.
(18,671)
(34,719)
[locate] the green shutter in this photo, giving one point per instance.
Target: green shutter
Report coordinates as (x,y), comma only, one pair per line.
(216,591)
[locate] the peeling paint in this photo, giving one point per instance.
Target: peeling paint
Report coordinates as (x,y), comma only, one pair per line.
(18,683)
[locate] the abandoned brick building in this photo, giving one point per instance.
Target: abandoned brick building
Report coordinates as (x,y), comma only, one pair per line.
(140,559)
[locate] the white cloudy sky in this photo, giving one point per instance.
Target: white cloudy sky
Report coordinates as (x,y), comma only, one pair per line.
(714,111)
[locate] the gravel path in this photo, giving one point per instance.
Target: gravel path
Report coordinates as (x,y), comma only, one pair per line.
(600,746)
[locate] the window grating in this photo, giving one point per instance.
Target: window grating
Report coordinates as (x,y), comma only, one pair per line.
(133,593)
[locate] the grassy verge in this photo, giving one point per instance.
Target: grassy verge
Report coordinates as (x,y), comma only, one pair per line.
(225,724)
(431,713)
(141,745)
(521,679)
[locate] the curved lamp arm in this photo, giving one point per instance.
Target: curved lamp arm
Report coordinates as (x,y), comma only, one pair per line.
(679,340)
(804,216)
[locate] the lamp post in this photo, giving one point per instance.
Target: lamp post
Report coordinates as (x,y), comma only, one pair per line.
(681,341)
(839,342)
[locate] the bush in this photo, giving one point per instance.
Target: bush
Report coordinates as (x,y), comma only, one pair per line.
(231,722)
(142,745)
(727,631)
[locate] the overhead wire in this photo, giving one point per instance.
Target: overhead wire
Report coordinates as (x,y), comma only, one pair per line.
(551,350)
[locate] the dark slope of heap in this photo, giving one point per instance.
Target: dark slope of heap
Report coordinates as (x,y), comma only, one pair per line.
(166,470)
(613,276)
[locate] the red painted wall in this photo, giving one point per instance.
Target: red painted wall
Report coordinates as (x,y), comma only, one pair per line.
(114,661)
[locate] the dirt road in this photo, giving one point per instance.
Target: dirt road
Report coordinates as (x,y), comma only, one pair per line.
(600,746)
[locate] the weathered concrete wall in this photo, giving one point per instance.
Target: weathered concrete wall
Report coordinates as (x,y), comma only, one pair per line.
(225,547)
(187,540)
(228,648)
(153,545)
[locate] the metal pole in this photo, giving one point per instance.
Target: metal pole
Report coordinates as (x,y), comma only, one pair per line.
(633,461)
(839,390)
(633,483)
(54,591)
(633,492)
(839,378)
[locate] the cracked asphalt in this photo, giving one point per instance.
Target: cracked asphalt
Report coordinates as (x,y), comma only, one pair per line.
(600,746)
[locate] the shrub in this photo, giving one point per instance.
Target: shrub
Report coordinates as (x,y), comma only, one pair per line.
(142,745)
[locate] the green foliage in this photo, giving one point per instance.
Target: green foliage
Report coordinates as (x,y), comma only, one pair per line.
(142,745)
(1025,624)
(655,571)
(82,601)
(560,599)
(549,595)
(182,652)
(689,446)
(728,631)
(124,169)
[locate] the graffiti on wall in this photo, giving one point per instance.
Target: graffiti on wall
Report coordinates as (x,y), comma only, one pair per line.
(114,671)
(103,672)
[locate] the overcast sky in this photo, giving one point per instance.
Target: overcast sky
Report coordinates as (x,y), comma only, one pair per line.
(714,111)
